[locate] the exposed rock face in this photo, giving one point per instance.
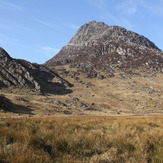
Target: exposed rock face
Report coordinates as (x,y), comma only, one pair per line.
(5,104)
(94,32)
(16,73)
(97,46)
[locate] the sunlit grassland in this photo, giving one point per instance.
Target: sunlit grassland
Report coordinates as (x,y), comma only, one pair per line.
(82,139)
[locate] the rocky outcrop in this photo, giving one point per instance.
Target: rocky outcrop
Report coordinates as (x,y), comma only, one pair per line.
(93,32)
(99,47)
(4,103)
(16,73)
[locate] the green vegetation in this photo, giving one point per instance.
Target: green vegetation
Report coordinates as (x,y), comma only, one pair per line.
(82,139)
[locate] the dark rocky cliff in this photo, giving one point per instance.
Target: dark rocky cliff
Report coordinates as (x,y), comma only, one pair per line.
(16,73)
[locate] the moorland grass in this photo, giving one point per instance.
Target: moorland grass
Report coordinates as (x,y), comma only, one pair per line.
(82,139)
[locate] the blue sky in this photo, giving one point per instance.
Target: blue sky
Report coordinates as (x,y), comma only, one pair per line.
(36,30)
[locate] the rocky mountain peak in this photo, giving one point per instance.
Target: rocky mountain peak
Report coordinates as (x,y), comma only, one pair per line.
(93,32)
(88,32)
(99,47)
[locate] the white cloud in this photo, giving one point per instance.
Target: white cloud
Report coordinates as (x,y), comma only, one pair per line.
(117,20)
(11,5)
(155,8)
(6,27)
(49,51)
(6,40)
(129,7)
(72,26)
(126,23)
(14,28)
(109,18)
(100,4)
(45,23)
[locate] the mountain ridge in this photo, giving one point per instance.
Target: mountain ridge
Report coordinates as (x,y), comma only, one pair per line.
(16,73)
(103,31)
(108,48)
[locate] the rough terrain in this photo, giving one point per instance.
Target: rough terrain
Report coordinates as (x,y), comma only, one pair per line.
(28,77)
(104,70)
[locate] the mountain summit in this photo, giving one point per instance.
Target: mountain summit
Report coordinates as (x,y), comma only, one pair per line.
(97,46)
(98,31)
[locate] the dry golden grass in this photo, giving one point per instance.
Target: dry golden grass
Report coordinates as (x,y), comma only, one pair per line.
(82,139)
